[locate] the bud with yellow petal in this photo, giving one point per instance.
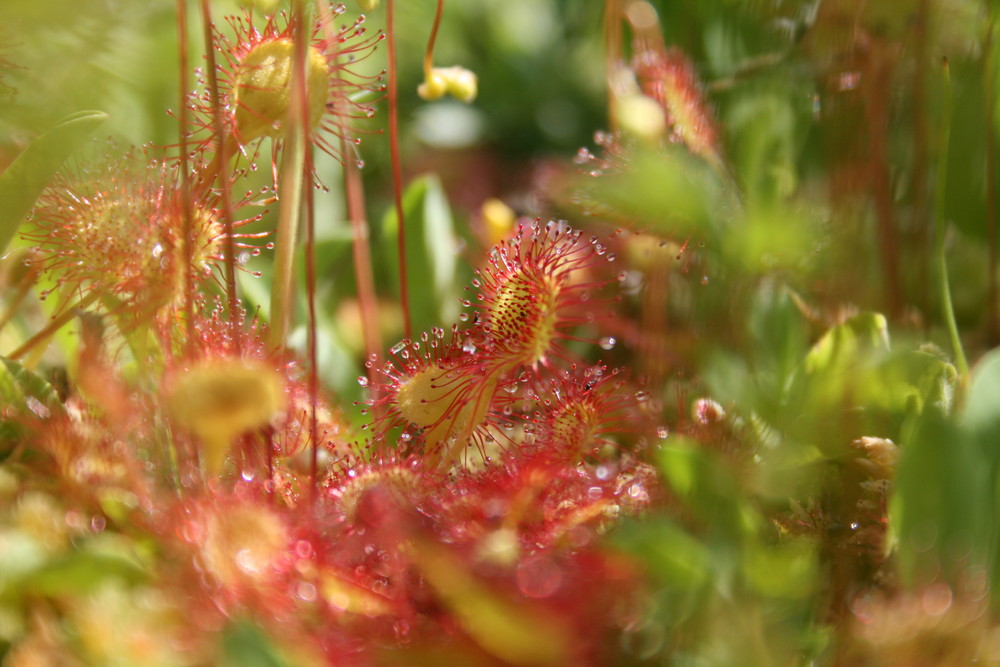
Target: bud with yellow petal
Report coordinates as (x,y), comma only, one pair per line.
(459,82)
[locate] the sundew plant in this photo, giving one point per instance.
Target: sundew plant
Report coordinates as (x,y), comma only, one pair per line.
(529,333)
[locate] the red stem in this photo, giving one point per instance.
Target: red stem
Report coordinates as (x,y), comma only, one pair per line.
(397,175)
(429,53)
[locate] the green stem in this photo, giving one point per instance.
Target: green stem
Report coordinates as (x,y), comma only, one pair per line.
(939,228)
(293,161)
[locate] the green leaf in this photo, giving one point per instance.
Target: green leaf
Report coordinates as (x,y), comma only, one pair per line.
(981,420)
(784,570)
(672,555)
(432,250)
(829,403)
(86,570)
(780,337)
(244,645)
(910,382)
(672,192)
(940,499)
(29,384)
(31,171)
(704,484)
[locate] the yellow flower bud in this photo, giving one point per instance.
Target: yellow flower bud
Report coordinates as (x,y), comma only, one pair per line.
(498,219)
(434,87)
(459,82)
(462,84)
(642,116)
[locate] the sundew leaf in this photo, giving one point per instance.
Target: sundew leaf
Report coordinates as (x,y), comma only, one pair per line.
(431,253)
(31,171)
